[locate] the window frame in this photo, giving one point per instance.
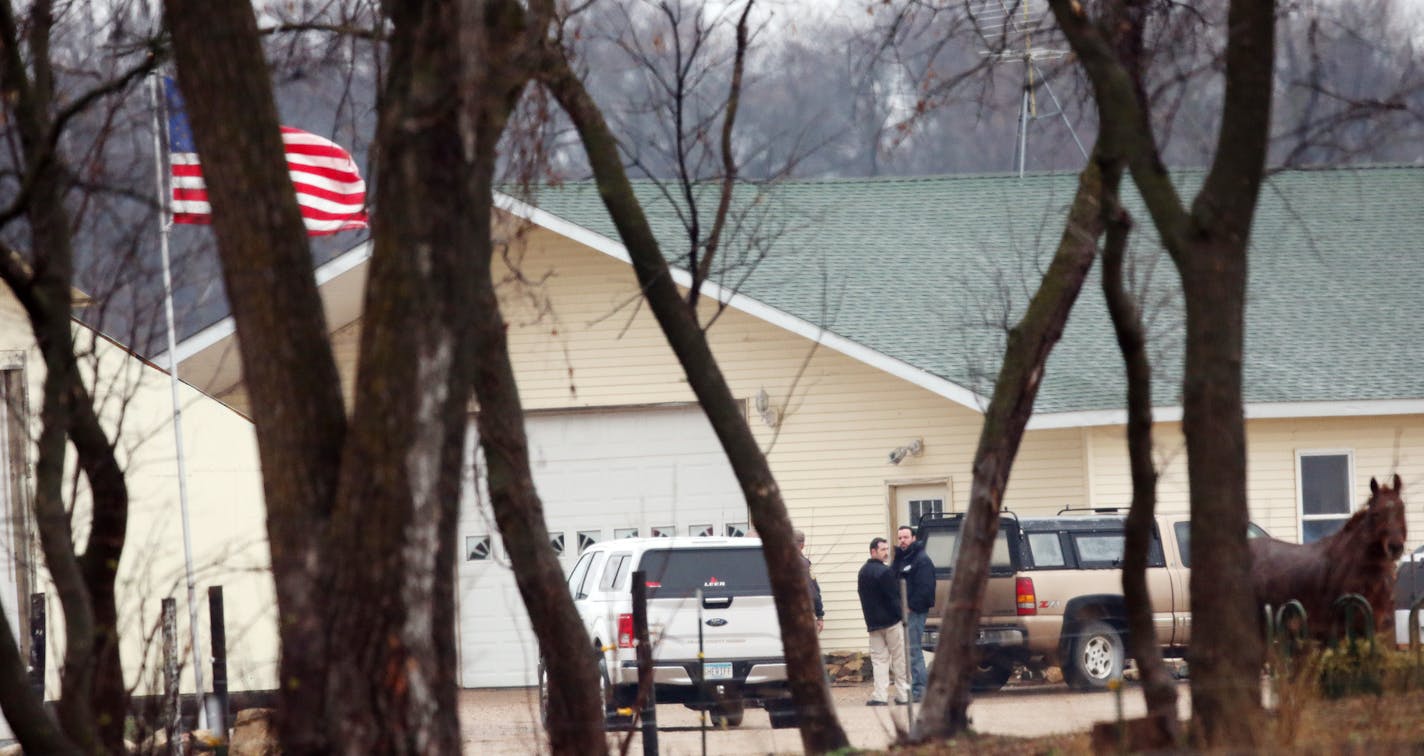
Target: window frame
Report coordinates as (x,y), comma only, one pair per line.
(1301,518)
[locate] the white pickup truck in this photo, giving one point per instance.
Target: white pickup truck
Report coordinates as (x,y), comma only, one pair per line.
(719,655)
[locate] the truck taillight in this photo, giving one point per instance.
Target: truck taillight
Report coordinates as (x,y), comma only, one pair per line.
(1027,600)
(625,631)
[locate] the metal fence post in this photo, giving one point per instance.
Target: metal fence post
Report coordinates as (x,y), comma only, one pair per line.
(37,644)
(173,713)
(646,690)
(218,715)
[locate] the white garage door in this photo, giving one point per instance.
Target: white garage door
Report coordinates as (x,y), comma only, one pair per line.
(601,475)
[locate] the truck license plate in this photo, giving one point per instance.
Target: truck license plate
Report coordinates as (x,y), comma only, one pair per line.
(717,671)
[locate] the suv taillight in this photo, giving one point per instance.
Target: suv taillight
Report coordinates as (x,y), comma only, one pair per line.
(1027,600)
(625,631)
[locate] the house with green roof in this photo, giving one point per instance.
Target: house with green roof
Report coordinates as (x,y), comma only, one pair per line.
(861,321)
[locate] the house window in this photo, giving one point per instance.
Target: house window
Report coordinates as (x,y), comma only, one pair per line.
(1324,492)
(921,507)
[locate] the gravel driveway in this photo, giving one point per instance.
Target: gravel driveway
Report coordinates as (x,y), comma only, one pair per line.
(504,720)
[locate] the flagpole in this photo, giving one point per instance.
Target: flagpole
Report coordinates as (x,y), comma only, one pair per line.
(164,224)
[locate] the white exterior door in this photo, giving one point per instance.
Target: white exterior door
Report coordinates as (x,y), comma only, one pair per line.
(600,475)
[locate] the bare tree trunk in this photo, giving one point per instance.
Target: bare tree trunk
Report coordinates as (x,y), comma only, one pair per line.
(1226,654)
(93,701)
(497,67)
(1208,246)
(946,703)
(820,729)
(370,507)
(32,725)
(1158,688)
(287,366)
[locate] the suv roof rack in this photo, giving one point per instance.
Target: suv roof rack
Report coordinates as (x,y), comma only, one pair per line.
(1094,510)
(935,517)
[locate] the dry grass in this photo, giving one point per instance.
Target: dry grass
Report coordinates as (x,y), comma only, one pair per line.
(1388,724)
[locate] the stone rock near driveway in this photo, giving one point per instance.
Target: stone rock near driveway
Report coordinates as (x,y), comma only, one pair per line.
(254,734)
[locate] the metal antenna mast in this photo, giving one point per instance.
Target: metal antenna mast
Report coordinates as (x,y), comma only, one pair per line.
(1013,23)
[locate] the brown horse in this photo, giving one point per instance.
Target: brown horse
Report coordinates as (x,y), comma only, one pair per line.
(1358,558)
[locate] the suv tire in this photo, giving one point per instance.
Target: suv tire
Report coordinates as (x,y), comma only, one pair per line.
(1097,656)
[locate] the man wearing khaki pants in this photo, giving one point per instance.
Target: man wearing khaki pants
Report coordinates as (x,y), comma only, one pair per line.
(880,603)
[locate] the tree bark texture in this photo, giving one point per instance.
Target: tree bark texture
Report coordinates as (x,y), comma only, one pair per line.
(946,702)
(820,729)
(370,507)
(1158,687)
(361,515)
(1209,247)
(287,366)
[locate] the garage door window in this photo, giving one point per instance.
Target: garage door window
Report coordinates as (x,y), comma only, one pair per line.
(1324,492)
(588,538)
(477,548)
(625,532)
(699,530)
(736,529)
(557,541)
(663,531)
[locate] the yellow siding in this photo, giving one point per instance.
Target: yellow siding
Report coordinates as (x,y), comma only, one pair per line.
(224,501)
(1381,446)
(581,338)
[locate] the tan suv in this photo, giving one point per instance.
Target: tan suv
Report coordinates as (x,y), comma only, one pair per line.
(1055,593)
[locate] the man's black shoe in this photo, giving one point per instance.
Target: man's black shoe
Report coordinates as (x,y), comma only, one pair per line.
(873,702)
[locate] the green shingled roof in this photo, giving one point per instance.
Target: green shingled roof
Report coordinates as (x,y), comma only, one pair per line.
(927,271)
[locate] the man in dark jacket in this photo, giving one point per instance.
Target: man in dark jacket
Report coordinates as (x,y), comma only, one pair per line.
(913,566)
(880,603)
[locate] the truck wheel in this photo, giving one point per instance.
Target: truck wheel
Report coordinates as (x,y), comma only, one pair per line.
(1097,656)
(990,675)
(728,713)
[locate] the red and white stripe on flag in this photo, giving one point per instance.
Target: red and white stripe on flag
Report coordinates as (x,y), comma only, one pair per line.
(329,188)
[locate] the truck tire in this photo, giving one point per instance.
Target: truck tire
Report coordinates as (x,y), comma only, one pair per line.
(1096,657)
(990,674)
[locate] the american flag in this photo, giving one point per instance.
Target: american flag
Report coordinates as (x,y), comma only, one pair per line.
(329,188)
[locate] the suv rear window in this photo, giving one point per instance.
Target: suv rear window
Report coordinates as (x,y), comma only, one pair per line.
(718,572)
(942,547)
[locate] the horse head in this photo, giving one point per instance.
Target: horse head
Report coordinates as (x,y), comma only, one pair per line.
(1386,517)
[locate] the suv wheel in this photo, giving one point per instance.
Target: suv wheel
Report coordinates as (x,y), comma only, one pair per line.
(1097,656)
